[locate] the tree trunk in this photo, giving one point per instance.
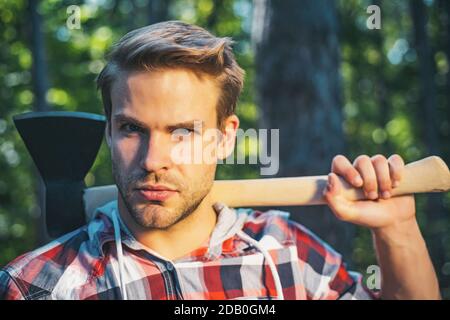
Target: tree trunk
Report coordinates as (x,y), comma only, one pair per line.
(158,10)
(427,115)
(381,87)
(298,91)
(447,46)
(213,17)
(40,87)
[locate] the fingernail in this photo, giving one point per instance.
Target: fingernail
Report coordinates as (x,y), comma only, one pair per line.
(386,194)
(330,180)
(395,183)
(329,187)
(357,181)
(373,195)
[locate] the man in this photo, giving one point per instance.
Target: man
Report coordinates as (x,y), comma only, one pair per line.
(164,238)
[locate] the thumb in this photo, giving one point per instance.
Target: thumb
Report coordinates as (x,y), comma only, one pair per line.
(342,208)
(218,207)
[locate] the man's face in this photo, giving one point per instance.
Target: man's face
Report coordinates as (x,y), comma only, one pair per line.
(147,109)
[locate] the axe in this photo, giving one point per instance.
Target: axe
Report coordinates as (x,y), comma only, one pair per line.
(64,146)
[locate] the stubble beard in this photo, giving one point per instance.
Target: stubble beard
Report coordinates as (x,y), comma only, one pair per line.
(156,214)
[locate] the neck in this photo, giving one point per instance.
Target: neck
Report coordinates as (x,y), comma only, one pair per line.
(179,239)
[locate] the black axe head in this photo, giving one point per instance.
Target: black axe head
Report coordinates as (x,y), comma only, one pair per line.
(63,146)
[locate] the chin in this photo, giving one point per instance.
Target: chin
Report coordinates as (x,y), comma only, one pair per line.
(155,216)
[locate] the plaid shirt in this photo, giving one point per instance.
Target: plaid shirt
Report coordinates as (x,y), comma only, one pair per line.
(83,264)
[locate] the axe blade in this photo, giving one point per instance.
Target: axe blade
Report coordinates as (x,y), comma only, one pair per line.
(63,146)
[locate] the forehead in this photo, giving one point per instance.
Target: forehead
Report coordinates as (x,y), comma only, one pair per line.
(164,96)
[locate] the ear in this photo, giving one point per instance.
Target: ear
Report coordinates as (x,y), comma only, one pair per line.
(108,134)
(227,144)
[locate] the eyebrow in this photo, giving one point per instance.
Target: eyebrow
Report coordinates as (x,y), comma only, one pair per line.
(190,124)
(120,118)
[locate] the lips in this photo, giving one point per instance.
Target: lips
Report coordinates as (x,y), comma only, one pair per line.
(156,192)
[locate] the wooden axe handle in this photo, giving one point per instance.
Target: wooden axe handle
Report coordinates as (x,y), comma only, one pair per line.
(427,175)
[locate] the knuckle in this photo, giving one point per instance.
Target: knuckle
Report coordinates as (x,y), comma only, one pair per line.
(339,158)
(361,160)
(378,159)
(396,159)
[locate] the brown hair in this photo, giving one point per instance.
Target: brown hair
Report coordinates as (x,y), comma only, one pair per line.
(173,44)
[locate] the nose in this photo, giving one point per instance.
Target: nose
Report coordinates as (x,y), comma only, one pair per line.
(155,154)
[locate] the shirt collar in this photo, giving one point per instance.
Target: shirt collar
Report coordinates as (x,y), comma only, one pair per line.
(229,222)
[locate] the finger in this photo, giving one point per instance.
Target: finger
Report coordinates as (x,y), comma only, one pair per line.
(396,169)
(334,185)
(365,168)
(218,207)
(339,205)
(381,166)
(342,166)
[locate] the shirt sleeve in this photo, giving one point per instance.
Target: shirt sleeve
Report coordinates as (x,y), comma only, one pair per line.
(8,288)
(325,275)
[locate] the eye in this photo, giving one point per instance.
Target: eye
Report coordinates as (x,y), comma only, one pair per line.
(130,128)
(182,132)
(187,131)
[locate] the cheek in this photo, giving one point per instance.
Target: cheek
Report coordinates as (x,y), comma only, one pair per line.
(192,150)
(125,151)
(197,175)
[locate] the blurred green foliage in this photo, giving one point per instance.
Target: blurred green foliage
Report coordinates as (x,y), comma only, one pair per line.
(378,68)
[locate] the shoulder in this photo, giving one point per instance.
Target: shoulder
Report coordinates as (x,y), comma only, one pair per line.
(278,226)
(322,269)
(34,275)
(268,223)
